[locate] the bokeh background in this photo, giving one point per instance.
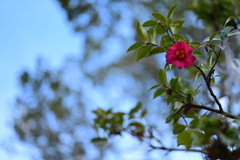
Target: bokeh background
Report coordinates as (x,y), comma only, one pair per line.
(61,59)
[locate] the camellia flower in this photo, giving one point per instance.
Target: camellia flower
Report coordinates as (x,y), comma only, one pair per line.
(179,55)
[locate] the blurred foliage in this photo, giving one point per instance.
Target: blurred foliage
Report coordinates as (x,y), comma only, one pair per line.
(54,105)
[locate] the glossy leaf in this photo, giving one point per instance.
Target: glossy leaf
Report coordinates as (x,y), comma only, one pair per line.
(150,23)
(155,86)
(165,40)
(209,60)
(176,26)
(142,33)
(196,43)
(160,30)
(152,34)
(178,37)
(170,12)
(171,98)
(197,53)
(142,52)
(162,77)
(159,92)
(159,17)
(228,20)
(135,46)
(213,36)
(156,50)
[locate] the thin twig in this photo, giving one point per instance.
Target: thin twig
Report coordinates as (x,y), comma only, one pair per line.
(190,104)
(177,149)
(210,89)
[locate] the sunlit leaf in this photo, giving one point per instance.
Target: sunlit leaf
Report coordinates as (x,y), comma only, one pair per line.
(135,46)
(142,52)
(160,30)
(150,23)
(162,77)
(196,43)
(159,17)
(176,26)
(156,50)
(178,128)
(197,53)
(209,60)
(142,33)
(155,86)
(213,36)
(152,34)
(185,139)
(170,12)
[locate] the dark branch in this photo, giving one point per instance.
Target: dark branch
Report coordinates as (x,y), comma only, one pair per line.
(177,149)
(207,80)
(192,105)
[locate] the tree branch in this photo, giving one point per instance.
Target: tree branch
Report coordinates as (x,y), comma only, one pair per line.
(192,105)
(177,149)
(207,80)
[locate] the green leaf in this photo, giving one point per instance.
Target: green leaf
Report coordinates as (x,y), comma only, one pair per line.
(213,36)
(99,140)
(169,21)
(155,86)
(237,121)
(169,118)
(150,23)
(197,53)
(229,19)
(196,43)
(143,113)
(216,38)
(178,128)
(142,33)
(191,114)
(209,60)
(135,110)
(176,26)
(152,34)
(234,32)
(170,12)
(159,17)
(165,40)
(176,84)
(159,92)
(162,77)
(185,138)
(199,138)
(142,52)
(156,50)
(171,98)
(220,76)
(226,140)
(194,123)
(178,37)
(160,30)
(135,46)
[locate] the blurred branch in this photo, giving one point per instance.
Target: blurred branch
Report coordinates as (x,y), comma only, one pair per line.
(177,149)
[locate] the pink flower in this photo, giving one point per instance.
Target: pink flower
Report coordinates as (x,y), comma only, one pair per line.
(179,55)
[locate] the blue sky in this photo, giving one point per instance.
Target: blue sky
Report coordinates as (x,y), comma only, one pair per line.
(29,28)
